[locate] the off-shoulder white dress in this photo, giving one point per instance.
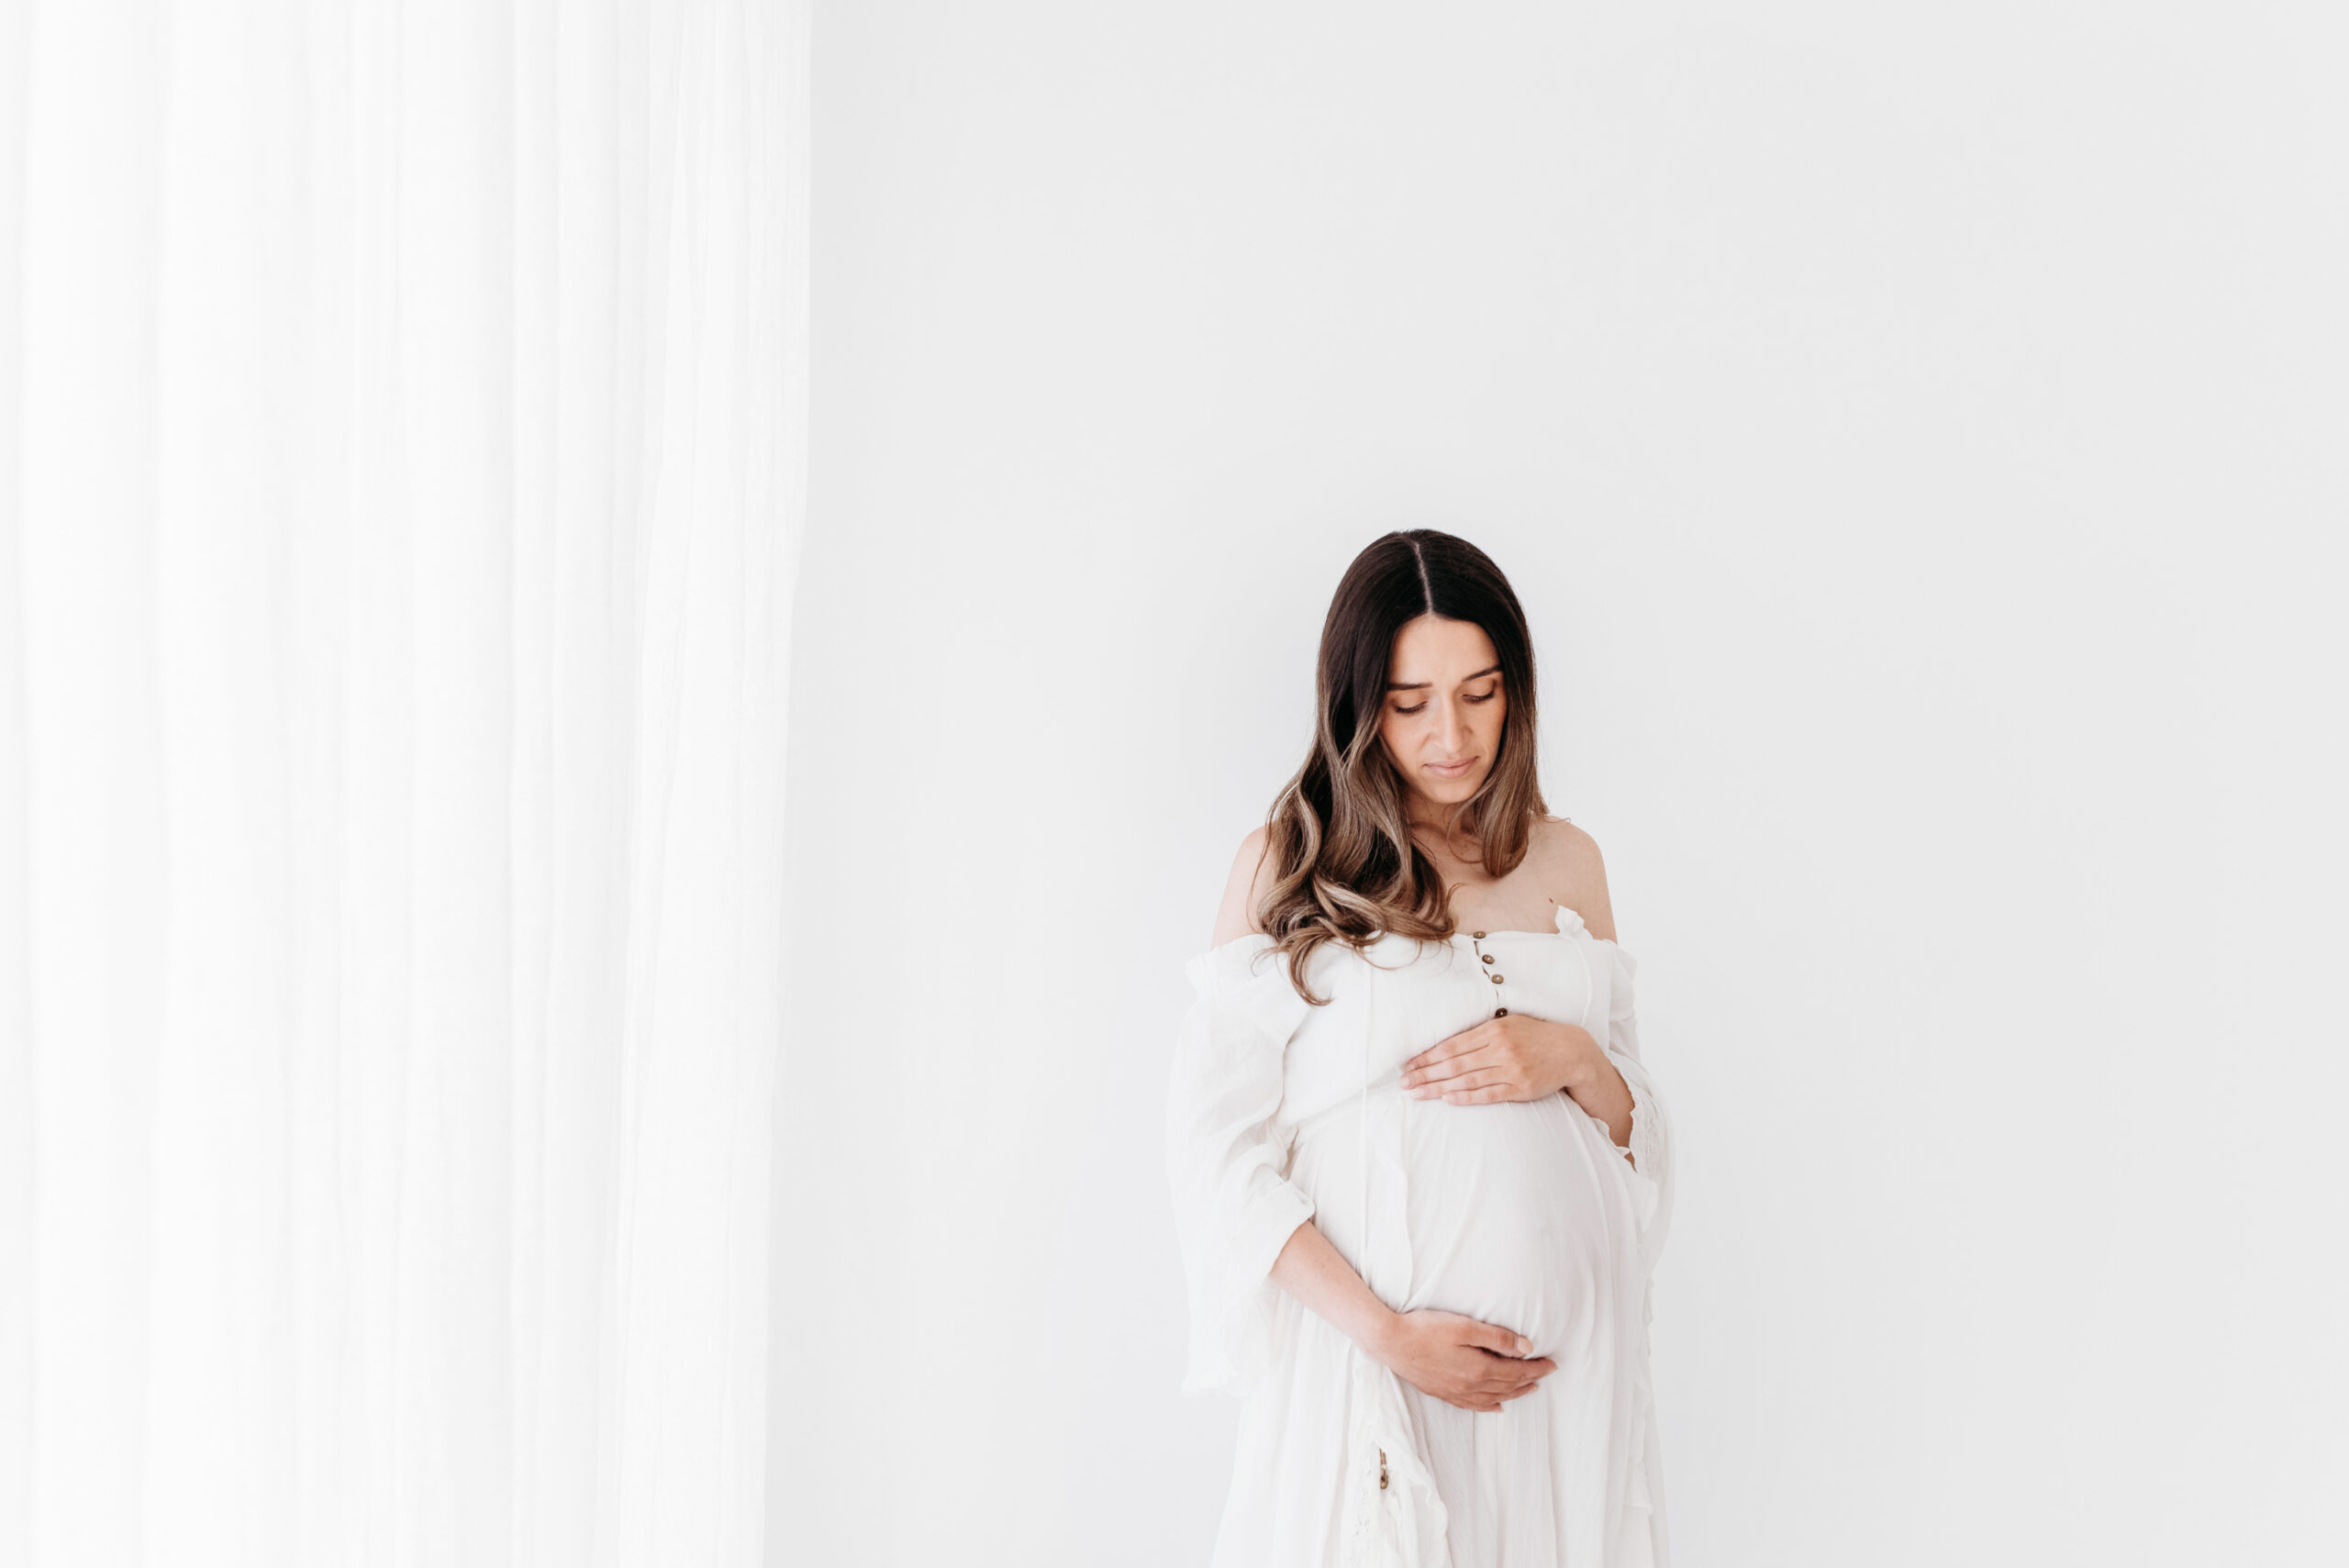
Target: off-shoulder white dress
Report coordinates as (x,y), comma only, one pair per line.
(1521,1213)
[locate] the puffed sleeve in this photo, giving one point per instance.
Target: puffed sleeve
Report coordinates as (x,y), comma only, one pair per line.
(1649,1166)
(1228,1156)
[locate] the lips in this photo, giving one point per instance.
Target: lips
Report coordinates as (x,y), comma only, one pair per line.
(1452,770)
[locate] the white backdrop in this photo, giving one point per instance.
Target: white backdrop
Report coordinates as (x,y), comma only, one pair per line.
(1911,431)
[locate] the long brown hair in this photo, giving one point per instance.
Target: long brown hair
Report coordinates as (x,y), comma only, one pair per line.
(1344,865)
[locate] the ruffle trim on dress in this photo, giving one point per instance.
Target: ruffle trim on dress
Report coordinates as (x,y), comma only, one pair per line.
(1649,1166)
(1647,1145)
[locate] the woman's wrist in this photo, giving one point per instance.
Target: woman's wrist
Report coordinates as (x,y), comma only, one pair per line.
(1377,1332)
(1601,1089)
(1586,1061)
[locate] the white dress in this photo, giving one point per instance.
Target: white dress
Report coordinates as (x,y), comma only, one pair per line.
(1523,1214)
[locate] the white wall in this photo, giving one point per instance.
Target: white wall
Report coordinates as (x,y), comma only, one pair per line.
(1912,438)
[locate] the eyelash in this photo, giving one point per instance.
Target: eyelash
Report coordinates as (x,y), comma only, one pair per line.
(1486,697)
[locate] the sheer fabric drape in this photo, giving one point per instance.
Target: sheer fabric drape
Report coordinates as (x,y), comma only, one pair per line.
(400,478)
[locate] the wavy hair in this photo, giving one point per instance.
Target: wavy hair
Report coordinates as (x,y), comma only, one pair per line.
(1344,865)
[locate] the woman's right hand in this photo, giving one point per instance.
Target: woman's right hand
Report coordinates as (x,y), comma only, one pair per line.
(1459,1360)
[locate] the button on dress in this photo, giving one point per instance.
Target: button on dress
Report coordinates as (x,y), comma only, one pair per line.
(1524,1213)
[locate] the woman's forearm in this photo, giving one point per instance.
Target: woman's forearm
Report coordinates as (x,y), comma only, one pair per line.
(1324,1283)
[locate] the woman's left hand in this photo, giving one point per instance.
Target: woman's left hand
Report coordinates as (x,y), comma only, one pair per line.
(1510,1058)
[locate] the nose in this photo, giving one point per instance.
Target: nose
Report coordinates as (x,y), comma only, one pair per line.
(1456,728)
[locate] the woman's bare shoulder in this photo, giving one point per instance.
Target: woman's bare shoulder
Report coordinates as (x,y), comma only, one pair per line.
(1251,875)
(1574,872)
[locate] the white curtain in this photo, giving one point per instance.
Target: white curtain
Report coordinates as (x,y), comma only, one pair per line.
(401,462)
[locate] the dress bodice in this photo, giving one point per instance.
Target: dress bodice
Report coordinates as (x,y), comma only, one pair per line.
(1400,996)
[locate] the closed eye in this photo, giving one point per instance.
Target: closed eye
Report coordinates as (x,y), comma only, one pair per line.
(1486,697)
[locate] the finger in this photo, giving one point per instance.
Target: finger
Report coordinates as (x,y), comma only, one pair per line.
(1482,1077)
(1494,1338)
(1518,1374)
(1450,1067)
(1484,1097)
(1447,1048)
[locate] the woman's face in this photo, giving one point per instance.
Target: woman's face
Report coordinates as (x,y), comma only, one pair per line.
(1442,721)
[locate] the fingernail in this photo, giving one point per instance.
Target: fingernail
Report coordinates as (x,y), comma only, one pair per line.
(1523,1344)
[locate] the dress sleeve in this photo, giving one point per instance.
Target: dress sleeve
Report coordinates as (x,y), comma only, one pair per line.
(1649,1166)
(1228,1155)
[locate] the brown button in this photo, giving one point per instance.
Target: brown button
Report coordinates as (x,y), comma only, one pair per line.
(1489,958)
(1478,935)
(1497,979)
(1500,1012)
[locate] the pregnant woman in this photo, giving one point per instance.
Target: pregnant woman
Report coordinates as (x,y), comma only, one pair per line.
(1420,1174)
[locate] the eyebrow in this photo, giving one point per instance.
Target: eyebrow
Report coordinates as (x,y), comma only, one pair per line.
(1414,686)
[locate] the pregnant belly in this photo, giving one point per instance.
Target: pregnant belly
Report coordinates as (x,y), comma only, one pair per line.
(1510,1210)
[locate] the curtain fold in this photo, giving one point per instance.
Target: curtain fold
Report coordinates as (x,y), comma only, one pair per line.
(402,456)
